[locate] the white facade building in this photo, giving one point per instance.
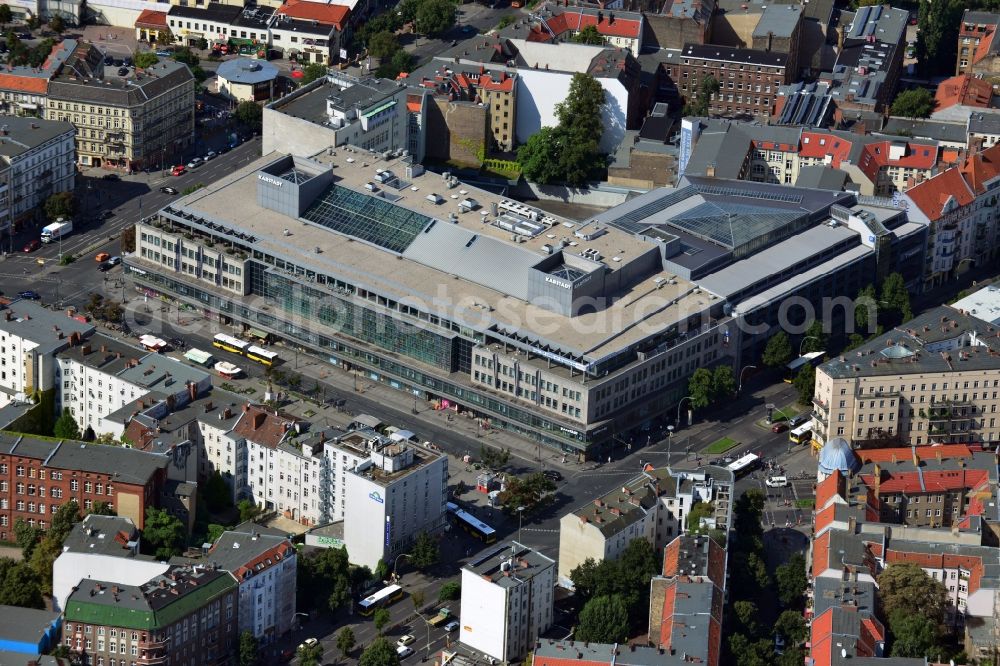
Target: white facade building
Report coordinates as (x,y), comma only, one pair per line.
(40,157)
(30,337)
(398,492)
(507,601)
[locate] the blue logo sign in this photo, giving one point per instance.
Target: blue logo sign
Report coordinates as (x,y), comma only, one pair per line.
(376,496)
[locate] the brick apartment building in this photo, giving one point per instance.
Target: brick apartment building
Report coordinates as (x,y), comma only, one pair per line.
(748,79)
(38,475)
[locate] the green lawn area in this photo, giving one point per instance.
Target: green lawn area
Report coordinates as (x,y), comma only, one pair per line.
(780,415)
(805,503)
(721,445)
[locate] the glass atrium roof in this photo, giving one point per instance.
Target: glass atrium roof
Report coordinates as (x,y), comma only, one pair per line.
(367,218)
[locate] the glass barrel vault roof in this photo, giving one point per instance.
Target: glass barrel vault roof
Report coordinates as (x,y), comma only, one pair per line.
(367,218)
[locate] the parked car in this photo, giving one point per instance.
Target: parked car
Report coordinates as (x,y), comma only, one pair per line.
(164,54)
(128,61)
(309,642)
(123,71)
(25,35)
(108,61)
(29,295)
(115,260)
(178,170)
(194,163)
(225,149)
(106,214)
(404,651)
(32,245)
(780,426)
(211,155)
(168,190)
(118,62)
(111,176)
(451,626)
(102,256)
(105,266)
(776,482)
(177,343)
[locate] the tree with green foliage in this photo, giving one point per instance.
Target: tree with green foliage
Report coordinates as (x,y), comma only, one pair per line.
(746,613)
(905,588)
(216,493)
(589,35)
(865,310)
(381,618)
(163,535)
(19,585)
(101,509)
(57,24)
(383,44)
(700,104)
(937,35)
(529,491)
(747,652)
(700,388)
(628,577)
(314,71)
(186,56)
(698,511)
(67,515)
(434,17)
(26,537)
(249,649)
(327,581)
(144,59)
(66,426)
(450,591)
(895,302)
(580,111)
(60,204)
(380,652)
(309,655)
(250,114)
(214,531)
(778,351)
(913,635)
(792,581)
(345,641)
(248,510)
(805,383)
(5,16)
(815,338)
(603,620)
(791,627)
(914,103)
(538,157)
(425,552)
(381,570)
(792,656)
(723,383)
(407,10)
(493,459)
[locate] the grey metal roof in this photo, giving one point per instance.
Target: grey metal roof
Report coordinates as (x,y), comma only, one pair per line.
(931,129)
(235,549)
(729,54)
(49,330)
(821,177)
(19,134)
(104,353)
(98,535)
(529,563)
(984,122)
(247,71)
(163,373)
(778,20)
(25,624)
(982,18)
(130,466)
(126,92)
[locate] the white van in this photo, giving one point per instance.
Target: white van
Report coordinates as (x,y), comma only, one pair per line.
(776,482)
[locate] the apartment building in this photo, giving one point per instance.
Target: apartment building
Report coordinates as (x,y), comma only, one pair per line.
(652,506)
(748,79)
(187,614)
(507,601)
(123,122)
(264,567)
(960,205)
(311,31)
(23,88)
(95,546)
(977,43)
(401,488)
(39,475)
(102,375)
(618,29)
(931,380)
(30,338)
(37,157)
(366,113)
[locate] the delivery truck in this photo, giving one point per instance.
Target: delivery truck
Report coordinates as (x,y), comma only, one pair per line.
(58,229)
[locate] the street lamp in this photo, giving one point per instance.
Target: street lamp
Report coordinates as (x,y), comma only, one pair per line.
(803,341)
(520,514)
(670,441)
(396,564)
(745,368)
(687,397)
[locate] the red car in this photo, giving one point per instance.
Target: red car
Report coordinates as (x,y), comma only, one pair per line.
(32,245)
(178,170)
(780,426)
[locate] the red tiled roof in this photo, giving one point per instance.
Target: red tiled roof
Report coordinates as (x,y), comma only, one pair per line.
(28,84)
(933,481)
(821,554)
(335,15)
(906,453)
(963,89)
(982,168)
(972,563)
(263,427)
(150,18)
(930,196)
(819,145)
(503,83)
(832,486)
(983,49)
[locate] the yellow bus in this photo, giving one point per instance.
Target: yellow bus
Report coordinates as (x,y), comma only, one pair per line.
(261,355)
(802,433)
(230,344)
(384,597)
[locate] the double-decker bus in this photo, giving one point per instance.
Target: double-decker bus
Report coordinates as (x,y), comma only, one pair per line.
(384,597)
(813,358)
(471,524)
(801,434)
(261,355)
(744,465)
(230,344)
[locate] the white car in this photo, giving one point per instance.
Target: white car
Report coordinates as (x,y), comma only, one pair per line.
(404,651)
(776,482)
(451,626)
(194,163)
(405,640)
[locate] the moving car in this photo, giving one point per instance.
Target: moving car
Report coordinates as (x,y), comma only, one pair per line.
(451,626)
(178,170)
(29,295)
(776,482)
(403,651)
(32,245)
(105,215)
(405,640)
(552,475)
(168,190)
(102,256)
(114,261)
(309,642)
(781,426)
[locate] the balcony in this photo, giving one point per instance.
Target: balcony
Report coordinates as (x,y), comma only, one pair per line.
(152,653)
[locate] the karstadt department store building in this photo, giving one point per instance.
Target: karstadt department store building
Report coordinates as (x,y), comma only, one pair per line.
(567,333)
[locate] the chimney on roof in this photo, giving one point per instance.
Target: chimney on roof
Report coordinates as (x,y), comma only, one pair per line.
(916,458)
(193,391)
(246,407)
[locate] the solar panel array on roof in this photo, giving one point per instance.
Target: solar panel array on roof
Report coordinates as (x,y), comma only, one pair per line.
(366,217)
(807,105)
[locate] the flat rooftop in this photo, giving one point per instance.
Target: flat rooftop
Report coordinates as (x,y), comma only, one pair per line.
(311,104)
(48,330)
(514,557)
(419,249)
(983,304)
(102,535)
(19,134)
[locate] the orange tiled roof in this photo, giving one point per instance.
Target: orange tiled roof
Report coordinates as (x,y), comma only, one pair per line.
(262,426)
(930,196)
(832,486)
(819,145)
(503,82)
(335,15)
(906,453)
(570,21)
(150,18)
(983,49)
(963,89)
(27,84)
(982,167)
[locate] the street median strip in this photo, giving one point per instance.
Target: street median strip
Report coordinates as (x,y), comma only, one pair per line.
(721,445)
